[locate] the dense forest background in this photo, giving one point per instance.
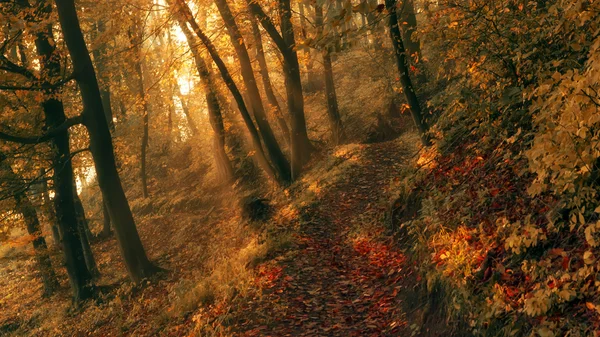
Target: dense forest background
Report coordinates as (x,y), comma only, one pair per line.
(300,168)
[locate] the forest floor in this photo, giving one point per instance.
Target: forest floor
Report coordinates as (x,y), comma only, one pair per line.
(340,274)
(345,276)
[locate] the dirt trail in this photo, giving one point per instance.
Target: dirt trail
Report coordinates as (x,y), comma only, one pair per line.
(338,283)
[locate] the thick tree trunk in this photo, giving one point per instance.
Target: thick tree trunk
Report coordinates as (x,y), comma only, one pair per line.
(101,146)
(86,236)
(184,15)
(402,63)
(79,276)
(333,111)
(27,210)
(264,72)
(223,163)
(278,160)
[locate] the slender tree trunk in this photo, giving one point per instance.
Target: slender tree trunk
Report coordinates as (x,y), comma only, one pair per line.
(106,231)
(264,72)
(86,235)
(335,121)
(301,147)
(184,15)
(402,63)
(101,146)
(408,24)
(103,75)
(278,160)
(188,117)
(374,25)
(136,41)
(309,64)
(79,276)
(49,210)
(24,206)
(214,110)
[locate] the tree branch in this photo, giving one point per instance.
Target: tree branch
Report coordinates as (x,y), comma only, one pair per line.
(43,86)
(46,137)
(8,65)
(268,25)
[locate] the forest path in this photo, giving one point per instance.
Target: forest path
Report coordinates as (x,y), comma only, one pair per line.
(340,281)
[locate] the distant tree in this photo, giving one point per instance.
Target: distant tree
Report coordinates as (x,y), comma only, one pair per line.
(214,108)
(267,86)
(403,69)
(32,223)
(280,163)
(184,16)
(333,111)
(301,147)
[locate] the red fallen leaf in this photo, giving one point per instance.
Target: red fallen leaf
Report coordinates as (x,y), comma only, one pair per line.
(565,263)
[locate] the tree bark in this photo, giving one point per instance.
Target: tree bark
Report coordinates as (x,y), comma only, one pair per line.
(223,163)
(264,72)
(138,265)
(280,163)
(184,16)
(402,63)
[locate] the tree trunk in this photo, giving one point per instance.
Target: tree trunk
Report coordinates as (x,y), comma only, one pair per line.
(136,41)
(184,14)
(106,232)
(103,76)
(402,63)
(24,206)
(49,210)
(408,24)
(86,236)
(223,163)
(278,160)
(309,64)
(138,265)
(335,121)
(188,116)
(373,22)
(301,147)
(264,72)
(79,276)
